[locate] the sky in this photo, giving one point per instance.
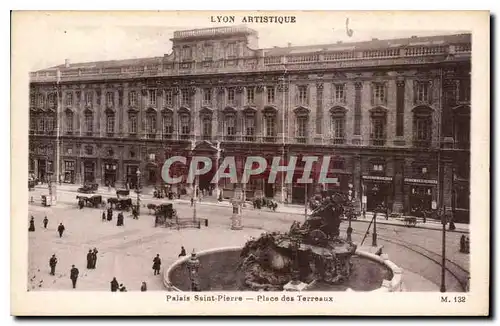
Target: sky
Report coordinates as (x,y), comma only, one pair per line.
(51,37)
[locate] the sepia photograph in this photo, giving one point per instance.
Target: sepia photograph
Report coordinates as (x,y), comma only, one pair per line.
(251,158)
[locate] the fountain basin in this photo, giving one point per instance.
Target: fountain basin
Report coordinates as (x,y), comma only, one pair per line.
(218,272)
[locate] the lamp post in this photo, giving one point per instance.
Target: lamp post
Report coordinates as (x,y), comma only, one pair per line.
(377,209)
(195,197)
(443,253)
(193,265)
(138,173)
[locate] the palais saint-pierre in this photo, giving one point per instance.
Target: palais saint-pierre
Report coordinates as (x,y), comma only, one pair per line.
(394,115)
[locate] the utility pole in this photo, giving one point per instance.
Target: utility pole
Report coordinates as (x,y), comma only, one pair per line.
(443,253)
(374,235)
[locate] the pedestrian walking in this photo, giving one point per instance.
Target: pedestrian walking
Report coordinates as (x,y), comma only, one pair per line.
(156,264)
(94,257)
(45,222)
(192,201)
(74,275)
(103,216)
(32,225)
(183,252)
(110,214)
(61,229)
(114,285)
(144,287)
(89,259)
(52,264)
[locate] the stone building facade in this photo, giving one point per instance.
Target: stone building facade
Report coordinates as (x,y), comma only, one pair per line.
(393,114)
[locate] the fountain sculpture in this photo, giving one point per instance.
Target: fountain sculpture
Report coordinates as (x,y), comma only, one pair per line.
(306,253)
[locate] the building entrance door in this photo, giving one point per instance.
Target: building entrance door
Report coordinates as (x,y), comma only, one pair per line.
(110,174)
(88,172)
(42,170)
(420,200)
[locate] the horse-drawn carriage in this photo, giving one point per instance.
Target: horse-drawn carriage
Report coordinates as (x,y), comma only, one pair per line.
(163,213)
(410,221)
(92,201)
(88,188)
(123,204)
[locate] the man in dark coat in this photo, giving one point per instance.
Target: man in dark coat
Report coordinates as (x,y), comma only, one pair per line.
(52,264)
(61,229)
(32,225)
(157,264)
(74,275)
(119,219)
(45,222)
(89,259)
(114,285)
(103,216)
(183,252)
(110,214)
(94,257)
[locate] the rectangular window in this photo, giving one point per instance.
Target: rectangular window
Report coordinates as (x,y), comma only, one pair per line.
(270,125)
(185,128)
(378,168)
(338,124)
(168,125)
(186,53)
(88,98)
(207,127)
(270,94)
(168,98)
(51,100)
(49,124)
(32,100)
(110,124)
(302,94)
(132,98)
(249,126)
(423,130)
(209,52)
(132,127)
(338,164)
(230,126)
(378,128)
(69,99)
(339,94)
(186,97)
(41,125)
(109,98)
(301,126)
(152,97)
(230,95)
(120,97)
(151,124)
(422,92)
(69,122)
(379,93)
(39,100)
(250,95)
(89,121)
(32,123)
(69,165)
(207,96)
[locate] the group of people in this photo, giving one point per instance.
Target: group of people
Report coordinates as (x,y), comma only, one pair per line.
(73,273)
(109,217)
(60,228)
(92,258)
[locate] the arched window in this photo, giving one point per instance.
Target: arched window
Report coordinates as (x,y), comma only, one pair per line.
(337,115)
(422,126)
(378,132)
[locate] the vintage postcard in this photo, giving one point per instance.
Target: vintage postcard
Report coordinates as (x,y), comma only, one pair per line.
(250,163)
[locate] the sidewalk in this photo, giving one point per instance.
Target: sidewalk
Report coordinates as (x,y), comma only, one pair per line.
(287,209)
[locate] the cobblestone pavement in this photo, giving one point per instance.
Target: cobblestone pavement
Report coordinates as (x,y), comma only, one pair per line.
(127,252)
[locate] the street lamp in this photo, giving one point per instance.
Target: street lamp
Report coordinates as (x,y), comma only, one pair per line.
(377,209)
(137,186)
(443,253)
(195,197)
(193,265)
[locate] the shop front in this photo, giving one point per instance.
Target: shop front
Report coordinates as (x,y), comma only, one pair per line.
(421,195)
(89,169)
(377,191)
(69,171)
(110,173)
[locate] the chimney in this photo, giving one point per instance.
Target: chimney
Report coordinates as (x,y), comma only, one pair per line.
(66,63)
(289,44)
